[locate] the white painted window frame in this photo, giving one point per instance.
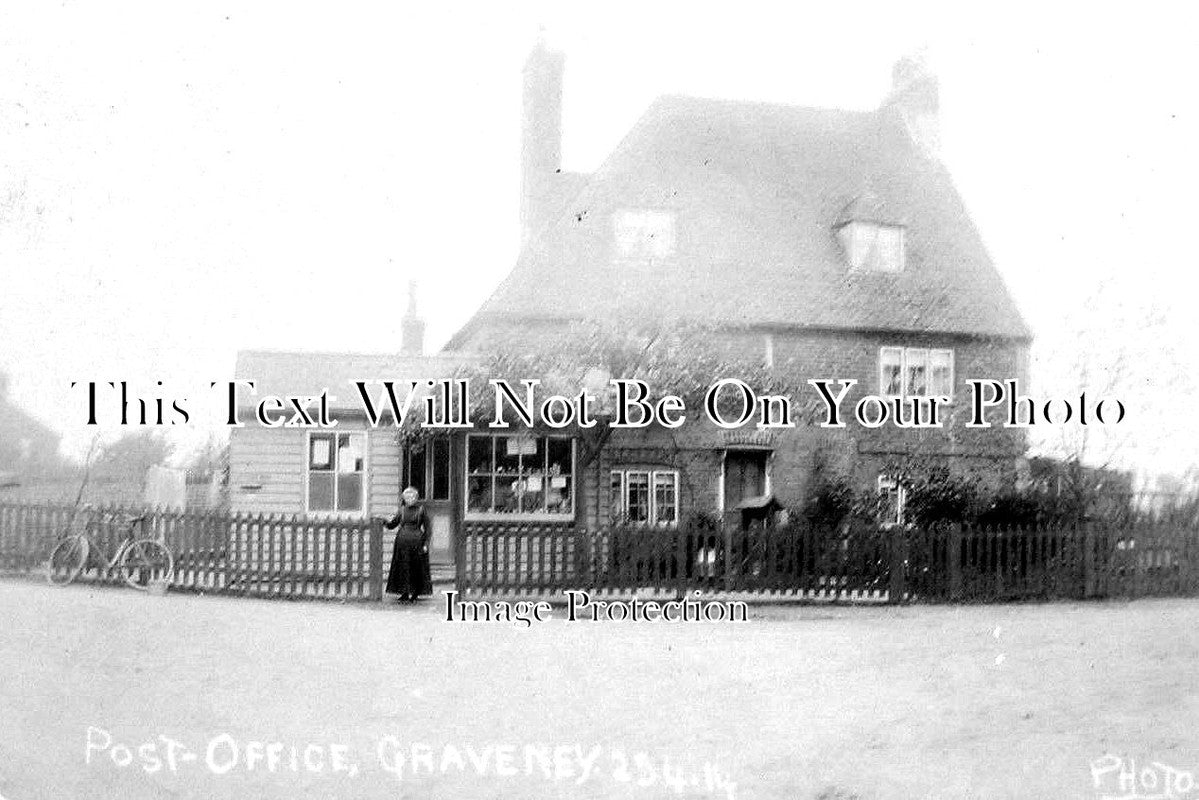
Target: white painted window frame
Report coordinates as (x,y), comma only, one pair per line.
(652,478)
(524,516)
(334,513)
(887,483)
(857,240)
(908,352)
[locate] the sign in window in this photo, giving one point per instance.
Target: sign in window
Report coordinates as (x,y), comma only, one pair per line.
(337,472)
(515,476)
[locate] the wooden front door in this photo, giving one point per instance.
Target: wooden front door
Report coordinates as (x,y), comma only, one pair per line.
(744,477)
(427,467)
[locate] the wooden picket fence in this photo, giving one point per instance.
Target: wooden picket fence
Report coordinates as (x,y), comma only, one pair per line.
(238,554)
(856,563)
(298,557)
(1078,562)
(809,563)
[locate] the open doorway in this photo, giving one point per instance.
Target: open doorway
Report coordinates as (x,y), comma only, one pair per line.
(426,466)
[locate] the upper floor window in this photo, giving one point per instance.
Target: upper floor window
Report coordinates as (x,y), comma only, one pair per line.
(873,246)
(337,473)
(915,372)
(644,234)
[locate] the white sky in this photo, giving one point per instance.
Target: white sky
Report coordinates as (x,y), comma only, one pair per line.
(181,181)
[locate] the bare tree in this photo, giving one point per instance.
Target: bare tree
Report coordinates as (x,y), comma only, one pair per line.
(1092,463)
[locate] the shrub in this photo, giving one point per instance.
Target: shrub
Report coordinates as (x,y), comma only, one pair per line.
(1013,508)
(831,502)
(940,497)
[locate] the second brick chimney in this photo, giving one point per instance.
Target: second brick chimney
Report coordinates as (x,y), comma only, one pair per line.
(916,95)
(412,327)
(541,136)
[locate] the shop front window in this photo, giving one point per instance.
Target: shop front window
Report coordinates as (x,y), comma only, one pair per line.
(519,476)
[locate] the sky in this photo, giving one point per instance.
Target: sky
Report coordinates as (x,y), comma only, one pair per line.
(180,181)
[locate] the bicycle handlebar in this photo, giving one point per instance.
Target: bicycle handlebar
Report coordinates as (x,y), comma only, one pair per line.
(113,516)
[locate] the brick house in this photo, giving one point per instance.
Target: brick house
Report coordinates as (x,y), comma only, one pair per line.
(827,243)
(824,243)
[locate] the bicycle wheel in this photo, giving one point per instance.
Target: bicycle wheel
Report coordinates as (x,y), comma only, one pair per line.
(67,560)
(146,561)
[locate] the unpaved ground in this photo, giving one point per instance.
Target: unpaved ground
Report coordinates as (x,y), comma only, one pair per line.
(996,701)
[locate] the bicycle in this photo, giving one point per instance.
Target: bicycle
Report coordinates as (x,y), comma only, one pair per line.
(142,560)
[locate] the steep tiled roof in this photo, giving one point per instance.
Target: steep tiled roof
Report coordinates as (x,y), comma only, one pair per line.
(757,190)
(868,207)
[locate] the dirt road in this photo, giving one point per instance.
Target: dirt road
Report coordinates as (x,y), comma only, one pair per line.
(107,693)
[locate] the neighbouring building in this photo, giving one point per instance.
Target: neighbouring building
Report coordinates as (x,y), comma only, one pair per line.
(352,471)
(823,242)
(31,467)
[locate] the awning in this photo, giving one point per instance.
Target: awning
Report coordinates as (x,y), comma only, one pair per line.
(765,501)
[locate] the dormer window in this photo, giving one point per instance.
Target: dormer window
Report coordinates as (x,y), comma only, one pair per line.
(871,240)
(644,235)
(873,246)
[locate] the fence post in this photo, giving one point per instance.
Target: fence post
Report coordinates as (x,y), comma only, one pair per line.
(895,590)
(460,543)
(727,532)
(1186,565)
(1191,560)
(1088,562)
(588,570)
(953,557)
(376,560)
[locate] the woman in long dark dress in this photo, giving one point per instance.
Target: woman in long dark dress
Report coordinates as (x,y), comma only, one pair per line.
(409,575)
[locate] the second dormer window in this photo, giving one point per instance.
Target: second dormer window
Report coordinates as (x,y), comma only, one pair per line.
(873,246)
(643,234)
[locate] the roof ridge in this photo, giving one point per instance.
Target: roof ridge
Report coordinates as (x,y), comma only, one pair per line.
(733,101)
(274,351)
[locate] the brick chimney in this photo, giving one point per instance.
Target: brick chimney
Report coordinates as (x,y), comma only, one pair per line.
(412,327)
(915,95)
(541,135)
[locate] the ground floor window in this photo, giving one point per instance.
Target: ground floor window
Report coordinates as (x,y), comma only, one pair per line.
(644,497)
(531,476)
(336,480)
(892,498)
